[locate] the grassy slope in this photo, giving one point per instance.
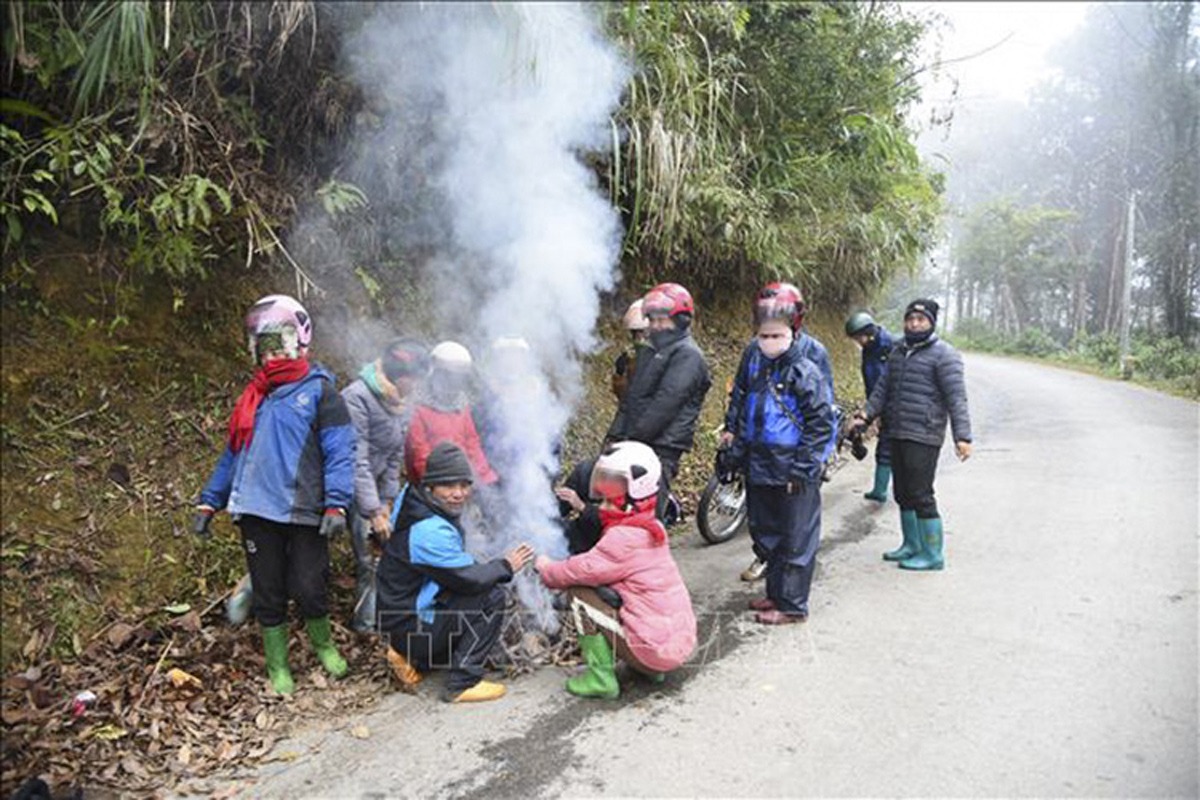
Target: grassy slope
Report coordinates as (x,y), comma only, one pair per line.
(108,437)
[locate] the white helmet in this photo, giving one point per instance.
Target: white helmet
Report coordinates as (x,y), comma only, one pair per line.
(634,319)
(451,357)
(509,343)
(634,462)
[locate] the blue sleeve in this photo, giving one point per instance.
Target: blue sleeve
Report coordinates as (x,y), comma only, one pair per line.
(216,491)
(819,435)
(434,542)
(435,549)
(338,446)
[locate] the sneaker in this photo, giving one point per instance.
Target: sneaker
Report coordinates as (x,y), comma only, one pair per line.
(755,571)
(479,693)
(762,604)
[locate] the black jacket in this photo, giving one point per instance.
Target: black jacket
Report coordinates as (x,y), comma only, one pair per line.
(424,559)
(924,386)
(663,401)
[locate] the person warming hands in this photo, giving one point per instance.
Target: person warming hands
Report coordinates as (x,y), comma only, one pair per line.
(627,596)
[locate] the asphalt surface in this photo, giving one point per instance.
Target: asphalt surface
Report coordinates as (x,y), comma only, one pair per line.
(1056,654)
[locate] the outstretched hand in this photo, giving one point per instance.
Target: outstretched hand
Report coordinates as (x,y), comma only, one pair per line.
(519,556)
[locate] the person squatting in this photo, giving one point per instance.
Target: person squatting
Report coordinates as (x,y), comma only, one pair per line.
(408,447)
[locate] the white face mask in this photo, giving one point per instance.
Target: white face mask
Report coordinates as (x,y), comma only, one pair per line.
(775,346)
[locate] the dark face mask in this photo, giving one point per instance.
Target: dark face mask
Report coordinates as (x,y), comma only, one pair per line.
(661,339)
(918,337)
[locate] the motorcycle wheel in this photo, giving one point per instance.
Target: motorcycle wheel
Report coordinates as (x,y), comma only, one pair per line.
(721,512)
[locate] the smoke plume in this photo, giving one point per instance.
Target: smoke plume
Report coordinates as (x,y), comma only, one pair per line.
(485,112)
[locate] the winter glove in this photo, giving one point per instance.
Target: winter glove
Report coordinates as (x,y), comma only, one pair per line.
(333,523)
(726,466)
(202,520)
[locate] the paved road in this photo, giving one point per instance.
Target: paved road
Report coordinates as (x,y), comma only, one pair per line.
(1056,655)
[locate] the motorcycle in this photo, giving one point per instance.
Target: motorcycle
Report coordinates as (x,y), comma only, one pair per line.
(721,513)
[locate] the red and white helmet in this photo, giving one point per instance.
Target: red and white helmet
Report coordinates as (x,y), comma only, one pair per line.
(281,315)
(780,301)
(668,300)
(633,466)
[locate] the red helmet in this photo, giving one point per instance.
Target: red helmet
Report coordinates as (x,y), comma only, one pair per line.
(668,299)
(780,301)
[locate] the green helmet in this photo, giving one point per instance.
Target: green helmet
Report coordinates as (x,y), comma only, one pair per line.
(859,322)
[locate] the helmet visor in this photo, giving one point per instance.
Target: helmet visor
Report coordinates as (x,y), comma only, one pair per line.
(274,341)
(608,485)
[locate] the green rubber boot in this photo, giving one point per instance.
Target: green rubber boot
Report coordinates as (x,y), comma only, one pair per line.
(321,637)
(930,557)
(275,647)
(912,538)
(600,680)
(883,476)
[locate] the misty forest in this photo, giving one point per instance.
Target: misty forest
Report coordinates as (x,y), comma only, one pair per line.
(474,172)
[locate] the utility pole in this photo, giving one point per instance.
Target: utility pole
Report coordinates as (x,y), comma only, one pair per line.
(1127,288)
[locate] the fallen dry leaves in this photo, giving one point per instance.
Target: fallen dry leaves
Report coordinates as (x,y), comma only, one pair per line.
(174,704)
(180,701)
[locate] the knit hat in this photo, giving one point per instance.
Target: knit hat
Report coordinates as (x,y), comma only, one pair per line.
(404,357)
(447,464)
(924,306)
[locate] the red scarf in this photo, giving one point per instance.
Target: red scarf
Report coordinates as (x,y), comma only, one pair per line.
(641,516)
(275,373)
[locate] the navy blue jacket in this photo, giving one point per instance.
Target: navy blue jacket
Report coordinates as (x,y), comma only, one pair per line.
(424,558)
(875,357)
(300,460)
(769,444)
(924,386)
(812,349)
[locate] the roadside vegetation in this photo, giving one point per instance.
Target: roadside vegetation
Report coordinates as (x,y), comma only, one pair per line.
(156,160)
(1092,186)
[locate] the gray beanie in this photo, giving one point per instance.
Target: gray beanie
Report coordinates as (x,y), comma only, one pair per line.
(447,464)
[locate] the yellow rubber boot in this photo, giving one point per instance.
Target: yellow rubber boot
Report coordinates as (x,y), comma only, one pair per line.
(405,673)
(481,692)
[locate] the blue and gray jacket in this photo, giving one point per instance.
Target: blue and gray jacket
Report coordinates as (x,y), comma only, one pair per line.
(875,358)
(781,418)
(299,462)
(423,559)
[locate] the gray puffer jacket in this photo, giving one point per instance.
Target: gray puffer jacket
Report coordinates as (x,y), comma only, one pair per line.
(380,448)
(923,387)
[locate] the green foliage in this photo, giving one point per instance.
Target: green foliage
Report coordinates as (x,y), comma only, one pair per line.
(338,198)
(1118,121)
(1017,263)
(164,222)
(768,140)
(120,48)
(148,126)
(1164,361)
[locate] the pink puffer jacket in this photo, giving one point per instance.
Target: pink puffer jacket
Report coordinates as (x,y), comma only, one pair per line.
(656,609)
